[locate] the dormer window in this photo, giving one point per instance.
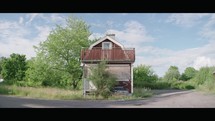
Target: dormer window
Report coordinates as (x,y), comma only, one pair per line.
(106,45)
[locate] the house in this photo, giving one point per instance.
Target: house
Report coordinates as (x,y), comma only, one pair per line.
(119,61)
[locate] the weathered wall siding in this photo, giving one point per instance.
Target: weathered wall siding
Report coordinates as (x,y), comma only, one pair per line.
(113,54)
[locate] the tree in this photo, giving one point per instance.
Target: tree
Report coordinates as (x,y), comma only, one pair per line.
(41,74)
(144,73)
(188,74)
(103,80)
(205,74)
(14,67)
(1,61)
(62,49)
(172,74)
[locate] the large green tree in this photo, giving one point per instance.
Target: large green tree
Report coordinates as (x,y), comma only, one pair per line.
(143,74)
(14,67)
(188,74)
(61,50)
(172,74)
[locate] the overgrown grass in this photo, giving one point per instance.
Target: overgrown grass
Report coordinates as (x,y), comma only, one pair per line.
(142,92)
(65,94)
(42,93)
(208,87)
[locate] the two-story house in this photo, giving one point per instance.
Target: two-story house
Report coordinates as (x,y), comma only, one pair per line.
(119,61)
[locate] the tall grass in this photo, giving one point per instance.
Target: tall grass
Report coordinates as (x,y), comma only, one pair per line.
(142,92)
(65,94)
(205,80)
(43,93)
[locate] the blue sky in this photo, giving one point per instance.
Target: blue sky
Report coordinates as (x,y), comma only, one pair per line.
(160,39)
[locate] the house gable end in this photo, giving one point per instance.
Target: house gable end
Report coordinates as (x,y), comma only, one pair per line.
(106,38)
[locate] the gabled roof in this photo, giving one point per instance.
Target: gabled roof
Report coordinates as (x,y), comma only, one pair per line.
(104,38)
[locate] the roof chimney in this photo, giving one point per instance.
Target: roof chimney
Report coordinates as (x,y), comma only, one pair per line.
(111,35)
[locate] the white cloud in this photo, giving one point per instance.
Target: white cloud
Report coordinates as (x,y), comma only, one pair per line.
(21,20)
(13,38)
(133,35)
(19,45)
(57,18)
(162,59)
(95,36)
(186,19)
(31,17)
(208,30)
(43,32)
(97,25)
(202,61)
(11,29)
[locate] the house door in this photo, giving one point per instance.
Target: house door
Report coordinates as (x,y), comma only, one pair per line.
(106,50)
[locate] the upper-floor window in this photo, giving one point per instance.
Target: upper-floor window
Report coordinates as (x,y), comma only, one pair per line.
(106,45)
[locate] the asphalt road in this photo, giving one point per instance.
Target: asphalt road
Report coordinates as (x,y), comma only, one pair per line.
(163,99)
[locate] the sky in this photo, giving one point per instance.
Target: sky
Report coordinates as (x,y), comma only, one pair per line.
(160,39)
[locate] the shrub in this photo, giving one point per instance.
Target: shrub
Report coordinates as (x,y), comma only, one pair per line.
(142,92)
(103,80)
(143,74)
(205,74)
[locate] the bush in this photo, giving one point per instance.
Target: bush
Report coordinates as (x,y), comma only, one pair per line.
(168,85)
(28,84)
(142,92)
(155,85)
(103,80)
(144,74)
(205,74)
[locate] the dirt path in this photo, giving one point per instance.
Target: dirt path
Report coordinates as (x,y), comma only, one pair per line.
(188,100)
(184,99)
(164,99)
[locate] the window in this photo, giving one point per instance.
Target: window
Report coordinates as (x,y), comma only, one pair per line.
(106,45)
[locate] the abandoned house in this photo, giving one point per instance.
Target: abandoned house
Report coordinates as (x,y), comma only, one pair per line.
(119,61)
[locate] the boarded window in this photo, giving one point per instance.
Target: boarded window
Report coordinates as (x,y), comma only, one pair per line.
(122,71)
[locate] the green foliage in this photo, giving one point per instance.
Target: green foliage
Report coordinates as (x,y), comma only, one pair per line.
(41,92)
(103,80)
(144,74)
(205,74)
(168,85)
(172,74)
(208,86)
(1,62)
(184,77)
(142,92)
(57,61)
(14,67)
(40,73)
(181,85)
(188,74)
(155,85)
